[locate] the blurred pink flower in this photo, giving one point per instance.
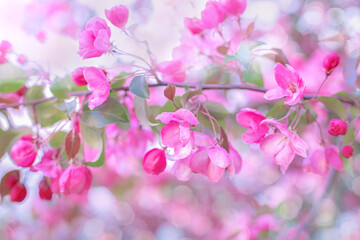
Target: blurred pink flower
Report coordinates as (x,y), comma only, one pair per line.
(172,71)
(118,16)
(75,180)
(234,7)
(212,15)
(291,85)
(99,84)
(95,39)
(282,146)
(154,161)
(176,133)
(252,119)
(194,25)
(23,152)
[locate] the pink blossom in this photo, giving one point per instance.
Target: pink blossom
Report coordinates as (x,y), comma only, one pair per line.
(23,152)
(12,179)
(212,15)
(21,59)
(176,133)
(18,193)
(234,7)
(318,160)
(45,190)
(347,151)
(282,146)
(172,71)
(99,84)
(194,25)
(118,16)
(41,36)
(154,161)
(78,76)
(95,39)
(291,85)
(5,48)
(330,62)
(252,119)
(337,127)
(75,180)
(48,165)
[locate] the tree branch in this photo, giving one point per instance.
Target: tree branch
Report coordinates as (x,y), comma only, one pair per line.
(182,85)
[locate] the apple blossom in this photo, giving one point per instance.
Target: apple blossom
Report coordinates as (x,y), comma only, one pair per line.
(75,180)
(23,152)
(98,83)
(154,161)
(78,76)
(212,15)
(118,16)
(291,85)
(252,119)
(234,7)
(172,71)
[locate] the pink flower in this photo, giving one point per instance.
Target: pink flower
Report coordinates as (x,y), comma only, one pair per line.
(78,76)
(330,62)
(21,59)
(252,119)
(18,193)
(194,25)
(95,39)
(99,84)
(5,47)
(318,160)
(176,133)
(337,127)
(291,85)
(282,146)
(234,7)
(48,165)
(45,192)
(75,180)
(212,15)
(41,36)
(172,71)
(347,151)
(118,16)
(154,161)
(23,152)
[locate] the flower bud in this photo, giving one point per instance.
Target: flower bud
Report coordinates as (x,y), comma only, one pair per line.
(118,16)
(154,161)
(12,180)
(330,62)
(75,180)
(347,151)
(23,152)
(45,190)
(337,127)
(18,193)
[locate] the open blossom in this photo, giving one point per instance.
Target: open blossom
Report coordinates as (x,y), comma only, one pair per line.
(282,146)
(318,160)
(234,7)
(98,83)
(176,133)
(330,62)
(75,180)
(154,161)
(48,165)
(23,152)
(291,85)
(337,127)
(252,119)
(118,16)
(95,39)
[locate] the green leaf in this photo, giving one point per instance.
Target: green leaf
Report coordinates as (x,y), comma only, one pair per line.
(109,112)
(254,76)
(310,114)
(217,110)
(188,95)
(61,89)
(334,105)
(68,107)
(143,113)
(58,140)
(139,87)
(350,136)
(242,55)
(5,139)
(48,114)
(277,111)
(118,83)
(34,93)
(94,137)
(12,78)
(169,106)
(99,162)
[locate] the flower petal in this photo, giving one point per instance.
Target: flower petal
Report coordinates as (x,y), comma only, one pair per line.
(333,158)
(219,156)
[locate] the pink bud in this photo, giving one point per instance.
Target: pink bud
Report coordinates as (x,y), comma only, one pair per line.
(118,16)
(12,180)
(45,192)
(154,161)
(337,127)
(330,62)
(75,180)
(347,151)
(78,77)
(18,193)
(23,152)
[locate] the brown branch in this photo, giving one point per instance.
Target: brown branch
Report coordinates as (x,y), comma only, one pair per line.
(182,85)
